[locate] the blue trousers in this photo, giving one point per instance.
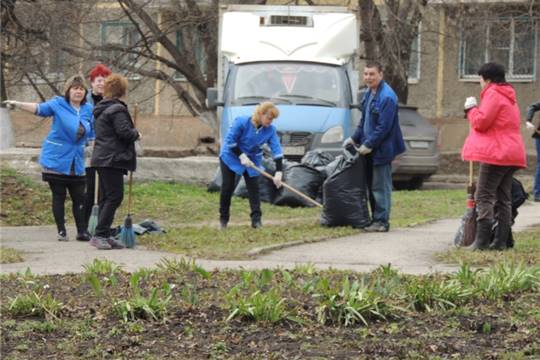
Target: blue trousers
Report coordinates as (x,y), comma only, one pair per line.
(380,190)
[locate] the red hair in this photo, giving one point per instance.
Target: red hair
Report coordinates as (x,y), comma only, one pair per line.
(99,70)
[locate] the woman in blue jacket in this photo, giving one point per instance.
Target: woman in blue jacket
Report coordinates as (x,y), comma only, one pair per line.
(241,152)
(62,151)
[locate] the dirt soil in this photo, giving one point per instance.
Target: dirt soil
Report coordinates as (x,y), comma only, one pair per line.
(88,328)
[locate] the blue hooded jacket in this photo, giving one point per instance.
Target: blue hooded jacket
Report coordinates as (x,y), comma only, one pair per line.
(61,148)
(384,137)
(249,139)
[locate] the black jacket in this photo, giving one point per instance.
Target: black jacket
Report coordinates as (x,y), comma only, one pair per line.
(530,114)
(115,136)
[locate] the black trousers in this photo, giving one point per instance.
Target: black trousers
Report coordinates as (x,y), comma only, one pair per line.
(111,186)
(494,193)
(59,191)
(227,189)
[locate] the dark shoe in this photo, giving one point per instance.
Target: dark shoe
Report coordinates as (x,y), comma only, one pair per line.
(115,244)
(100,243)
(377,227)
(62,236)
(83,236)
(537,198)
(483,235)
(500,241)
(256,224)
(223,224)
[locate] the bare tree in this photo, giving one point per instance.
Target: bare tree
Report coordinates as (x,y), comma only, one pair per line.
(388,29)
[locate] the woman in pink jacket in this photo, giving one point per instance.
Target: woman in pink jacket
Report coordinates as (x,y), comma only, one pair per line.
(495,142)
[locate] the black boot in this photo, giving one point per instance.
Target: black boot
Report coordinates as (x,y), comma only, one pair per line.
(223,221)
(500,241)
(256,223)
(483,235)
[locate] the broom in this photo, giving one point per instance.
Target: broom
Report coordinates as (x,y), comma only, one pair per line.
(127,234)
(92,222)
(468,222)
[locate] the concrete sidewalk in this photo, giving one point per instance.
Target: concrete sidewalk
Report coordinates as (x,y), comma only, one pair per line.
(408,249)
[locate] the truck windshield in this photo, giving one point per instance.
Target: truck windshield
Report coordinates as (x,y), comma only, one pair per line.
(288,82)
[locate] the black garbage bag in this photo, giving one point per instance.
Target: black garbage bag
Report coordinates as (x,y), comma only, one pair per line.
(267,189)
(304,179)
(317,159)
(345,193)
(330,168)
(215,184)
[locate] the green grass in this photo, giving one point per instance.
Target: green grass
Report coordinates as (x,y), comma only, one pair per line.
(9,255)
(190,214)
(526,250)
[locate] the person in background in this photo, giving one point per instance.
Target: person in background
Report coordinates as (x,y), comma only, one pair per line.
(380,140)
(62,151)
(242,151)
(536,135)
(97,81)
(495,142)
(114,155)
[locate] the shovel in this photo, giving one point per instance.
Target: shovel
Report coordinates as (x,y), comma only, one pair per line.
(288,187)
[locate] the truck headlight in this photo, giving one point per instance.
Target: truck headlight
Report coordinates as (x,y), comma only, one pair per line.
(333,135)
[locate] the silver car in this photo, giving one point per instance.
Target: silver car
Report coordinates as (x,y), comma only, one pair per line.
(421,158)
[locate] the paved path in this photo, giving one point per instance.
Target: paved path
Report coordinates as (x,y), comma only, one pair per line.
(408,249)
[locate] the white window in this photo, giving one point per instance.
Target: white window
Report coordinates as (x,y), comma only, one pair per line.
(200,54)
(123,35)
(508,41)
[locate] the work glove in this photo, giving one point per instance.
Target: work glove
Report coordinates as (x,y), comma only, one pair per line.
(470,102)
(244,160)
(530,125)
(348,141)
(364,150)
(11,104)
(278,176)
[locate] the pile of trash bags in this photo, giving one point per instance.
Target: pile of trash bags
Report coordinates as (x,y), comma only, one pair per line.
(337,182)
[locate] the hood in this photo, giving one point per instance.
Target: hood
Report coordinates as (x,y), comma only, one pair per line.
(504,89)
(315,119)
(106,104)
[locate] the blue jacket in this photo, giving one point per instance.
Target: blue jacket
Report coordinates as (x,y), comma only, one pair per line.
(61,148)
(243,134)
(385,136)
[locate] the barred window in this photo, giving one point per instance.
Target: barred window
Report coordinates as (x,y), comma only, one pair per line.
(509,41)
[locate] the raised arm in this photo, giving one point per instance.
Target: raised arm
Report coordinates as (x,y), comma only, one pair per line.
(26,106)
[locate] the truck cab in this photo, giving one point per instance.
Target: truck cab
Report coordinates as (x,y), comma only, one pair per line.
(299,57)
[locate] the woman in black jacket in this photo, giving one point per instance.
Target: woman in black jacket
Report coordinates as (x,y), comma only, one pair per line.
(114,155)
(536,135)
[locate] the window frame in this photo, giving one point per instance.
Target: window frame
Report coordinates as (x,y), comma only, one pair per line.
(177,76)
(510,76)
(416,79)
(123,24)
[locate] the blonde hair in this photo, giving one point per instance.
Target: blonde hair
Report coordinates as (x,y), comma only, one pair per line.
(115,86)
(264,107)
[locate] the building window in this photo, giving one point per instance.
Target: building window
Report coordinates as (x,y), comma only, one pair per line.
(122,35)
(507,41)
(414,60)
(200,55)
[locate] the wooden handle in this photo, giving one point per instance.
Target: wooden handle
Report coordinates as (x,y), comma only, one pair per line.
(96,188)
(470,173)
(130,182)
(135,115)
(288,187)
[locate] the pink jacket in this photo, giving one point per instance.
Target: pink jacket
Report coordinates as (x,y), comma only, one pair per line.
(494,135)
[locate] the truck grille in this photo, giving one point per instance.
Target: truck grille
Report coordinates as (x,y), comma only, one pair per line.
(295,138)
(288,20)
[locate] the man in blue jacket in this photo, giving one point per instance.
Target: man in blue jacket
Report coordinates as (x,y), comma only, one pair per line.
(380,140)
